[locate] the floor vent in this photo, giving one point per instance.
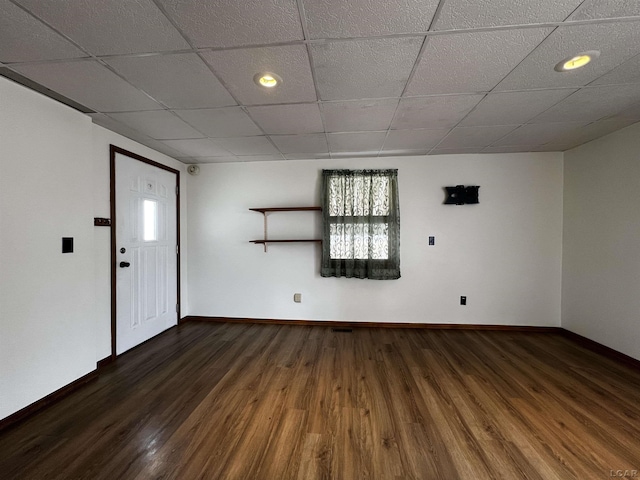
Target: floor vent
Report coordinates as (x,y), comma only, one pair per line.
(345,330)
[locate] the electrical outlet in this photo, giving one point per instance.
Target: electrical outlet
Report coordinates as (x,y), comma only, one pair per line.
(463,300)
(432,240)
(297,297)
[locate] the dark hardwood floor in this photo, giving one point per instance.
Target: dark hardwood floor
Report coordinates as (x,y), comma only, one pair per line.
(252,402)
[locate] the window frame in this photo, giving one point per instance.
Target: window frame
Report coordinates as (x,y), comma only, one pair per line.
(339,266)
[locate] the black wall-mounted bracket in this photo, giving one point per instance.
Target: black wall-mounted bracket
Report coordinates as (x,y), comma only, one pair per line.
(461,195)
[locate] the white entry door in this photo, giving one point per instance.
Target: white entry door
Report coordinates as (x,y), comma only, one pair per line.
(146,251)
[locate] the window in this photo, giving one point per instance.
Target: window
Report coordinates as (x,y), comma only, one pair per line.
(150,220)
(361,231)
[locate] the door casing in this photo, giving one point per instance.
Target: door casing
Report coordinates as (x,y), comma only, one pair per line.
(113,150)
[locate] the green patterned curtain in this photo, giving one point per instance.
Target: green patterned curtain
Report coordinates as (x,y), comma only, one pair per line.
(361,224)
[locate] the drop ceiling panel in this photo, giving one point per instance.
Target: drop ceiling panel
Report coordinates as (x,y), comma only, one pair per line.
(467,137)
(538,134)
(403,152)
(171,70)
(178,81)
(363,115)
(356,142)
(592,131)
(298,144)
(108,27)
(248,145)
(307,156)
(25,39)
(220,122)
(232,23)
(471,62)
(288,119)
(452,151)
(259,158)
(461,14)
(422,139)
(158,124)
(512,108)
(590,104)
(107,122)
(366,18)
(592,9)
(631,113)
(628,72)
(90,84)
(512,149)
(617,42)
(433,112)
(202,147)
(203,160)
(236,69)
(360,69)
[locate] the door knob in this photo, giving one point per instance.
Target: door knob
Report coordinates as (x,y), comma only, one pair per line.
(124,264)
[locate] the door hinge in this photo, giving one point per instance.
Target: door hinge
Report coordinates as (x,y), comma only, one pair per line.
(177,190)
(177,308)
(177,250)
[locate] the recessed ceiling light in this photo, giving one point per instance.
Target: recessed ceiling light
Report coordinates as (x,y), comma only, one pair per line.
(267,79)
(577,61)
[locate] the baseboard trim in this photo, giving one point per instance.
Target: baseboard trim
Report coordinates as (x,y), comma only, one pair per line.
(600,348)
(105,362)
(329,323)
(583,341)
(38,405)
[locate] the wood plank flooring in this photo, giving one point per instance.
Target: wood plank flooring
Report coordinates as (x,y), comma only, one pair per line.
(262,402)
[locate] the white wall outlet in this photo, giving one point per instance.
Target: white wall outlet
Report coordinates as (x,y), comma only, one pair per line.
(297,297)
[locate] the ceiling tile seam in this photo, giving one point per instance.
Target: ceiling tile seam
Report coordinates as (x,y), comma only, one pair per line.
(91,56)
(432,33)
(524,59)
(52,28)
(175,114)
(164,12)
(423,47)
(417,61)
(157,53)
(246,111)
(540,89)
(312,68)
(441,140)
(591,84)
(531,120)
(142,134)
(571,23)
(191,44)
(458,124)
(106,57)
(123,78)
(493,144)
(575,10)
(436,14)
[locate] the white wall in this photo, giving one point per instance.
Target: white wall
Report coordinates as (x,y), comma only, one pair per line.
(503,254)
(601,242)
(55,319)
(102,138)
(47,333)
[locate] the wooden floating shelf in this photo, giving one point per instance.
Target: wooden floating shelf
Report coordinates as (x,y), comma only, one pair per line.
(266,210)
(285,241)
(286,209)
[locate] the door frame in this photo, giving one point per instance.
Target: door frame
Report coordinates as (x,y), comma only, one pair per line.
(113,150)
